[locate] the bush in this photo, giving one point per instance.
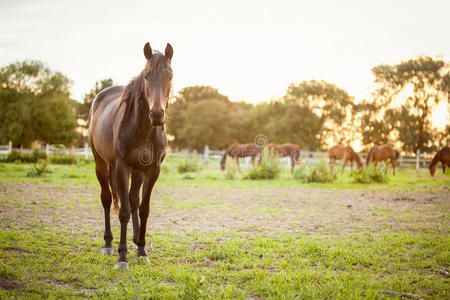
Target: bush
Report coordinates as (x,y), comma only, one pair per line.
(188,177)
(68,159)
(315,173)
(229,175)
(188,165)
(39,168)
(369,174)
(268,169)
(33,157)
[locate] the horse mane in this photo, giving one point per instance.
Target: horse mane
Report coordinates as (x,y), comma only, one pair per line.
(133,94)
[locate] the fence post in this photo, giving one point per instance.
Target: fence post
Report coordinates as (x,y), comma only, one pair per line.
(86,151)
(9,147)
(417,159)
(47,149)
(206,154)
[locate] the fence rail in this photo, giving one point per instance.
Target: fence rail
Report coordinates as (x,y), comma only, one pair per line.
(213,157)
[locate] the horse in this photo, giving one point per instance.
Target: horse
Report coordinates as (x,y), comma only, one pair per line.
(344,152)
(382,153)
(237,150)
(442,156)
(127,135)
(283,150)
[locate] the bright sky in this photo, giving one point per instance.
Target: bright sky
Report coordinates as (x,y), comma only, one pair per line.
(249,50)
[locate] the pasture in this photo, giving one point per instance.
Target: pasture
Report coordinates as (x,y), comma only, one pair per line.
(213,237)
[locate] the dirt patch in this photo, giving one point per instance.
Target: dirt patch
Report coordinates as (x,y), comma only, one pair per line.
(10,285)
(77,208)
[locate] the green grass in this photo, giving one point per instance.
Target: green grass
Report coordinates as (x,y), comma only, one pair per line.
(405,179)
(58,264)
(53,258)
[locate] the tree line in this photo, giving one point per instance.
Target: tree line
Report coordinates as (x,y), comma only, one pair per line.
(36,105)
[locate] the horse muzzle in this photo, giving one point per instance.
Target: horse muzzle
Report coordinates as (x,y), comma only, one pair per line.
(157,117)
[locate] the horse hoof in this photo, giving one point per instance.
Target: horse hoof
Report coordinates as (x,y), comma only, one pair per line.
(143,260)
(122,265)
(108,251)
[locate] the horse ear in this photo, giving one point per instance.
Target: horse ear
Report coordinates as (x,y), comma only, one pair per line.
(148,51)
(169,52)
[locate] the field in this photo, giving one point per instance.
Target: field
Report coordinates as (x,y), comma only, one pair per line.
(218,238)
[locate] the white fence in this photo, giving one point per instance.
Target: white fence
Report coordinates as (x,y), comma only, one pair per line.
(212,158)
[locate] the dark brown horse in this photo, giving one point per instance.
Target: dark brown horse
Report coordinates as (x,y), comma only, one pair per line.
(283,150)
(128,138)
(382,153)
(237,150)
(346,153)
(442,156)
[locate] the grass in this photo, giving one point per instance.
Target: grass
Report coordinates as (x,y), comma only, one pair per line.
(53,258)
(405,179)
(66,263)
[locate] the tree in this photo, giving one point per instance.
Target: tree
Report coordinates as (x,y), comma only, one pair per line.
(83,108)
(35,105)
(331,104)
(182,115)
(288,122)
(403,100)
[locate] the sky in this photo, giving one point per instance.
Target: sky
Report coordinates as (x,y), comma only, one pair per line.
(249,50)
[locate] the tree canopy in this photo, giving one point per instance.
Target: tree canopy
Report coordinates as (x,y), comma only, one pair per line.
(402,103)
(35,105)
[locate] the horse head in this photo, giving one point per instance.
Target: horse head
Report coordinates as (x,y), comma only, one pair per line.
(158,83)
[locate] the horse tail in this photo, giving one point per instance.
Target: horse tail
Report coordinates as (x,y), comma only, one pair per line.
(369,157)
(113,189)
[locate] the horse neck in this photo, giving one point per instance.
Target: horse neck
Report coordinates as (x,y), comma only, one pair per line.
(435,160)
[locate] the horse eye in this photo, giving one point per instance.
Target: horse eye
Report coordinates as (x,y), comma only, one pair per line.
(147,76)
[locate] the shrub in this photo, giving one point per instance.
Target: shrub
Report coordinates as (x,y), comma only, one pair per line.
(268,169)
(188,165)
(38,154)
(16,156)
(229,175)
(63,159)
(188,177)
(39,168)
(315,173)
(369,174)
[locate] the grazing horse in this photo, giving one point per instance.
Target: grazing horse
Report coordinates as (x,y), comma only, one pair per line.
(344,152)
(128,138)
(283,150)
(442,156)
(382,153)
(237,150)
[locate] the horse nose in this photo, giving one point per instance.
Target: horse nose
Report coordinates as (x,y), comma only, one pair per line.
(157,116)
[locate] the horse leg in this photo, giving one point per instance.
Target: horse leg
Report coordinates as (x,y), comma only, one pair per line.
(292,163)
(237,163)
(351,166)
(393,166)
(122,176)
(443,167)
(343,165)
(101,170)
(144,210)
(136,182)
